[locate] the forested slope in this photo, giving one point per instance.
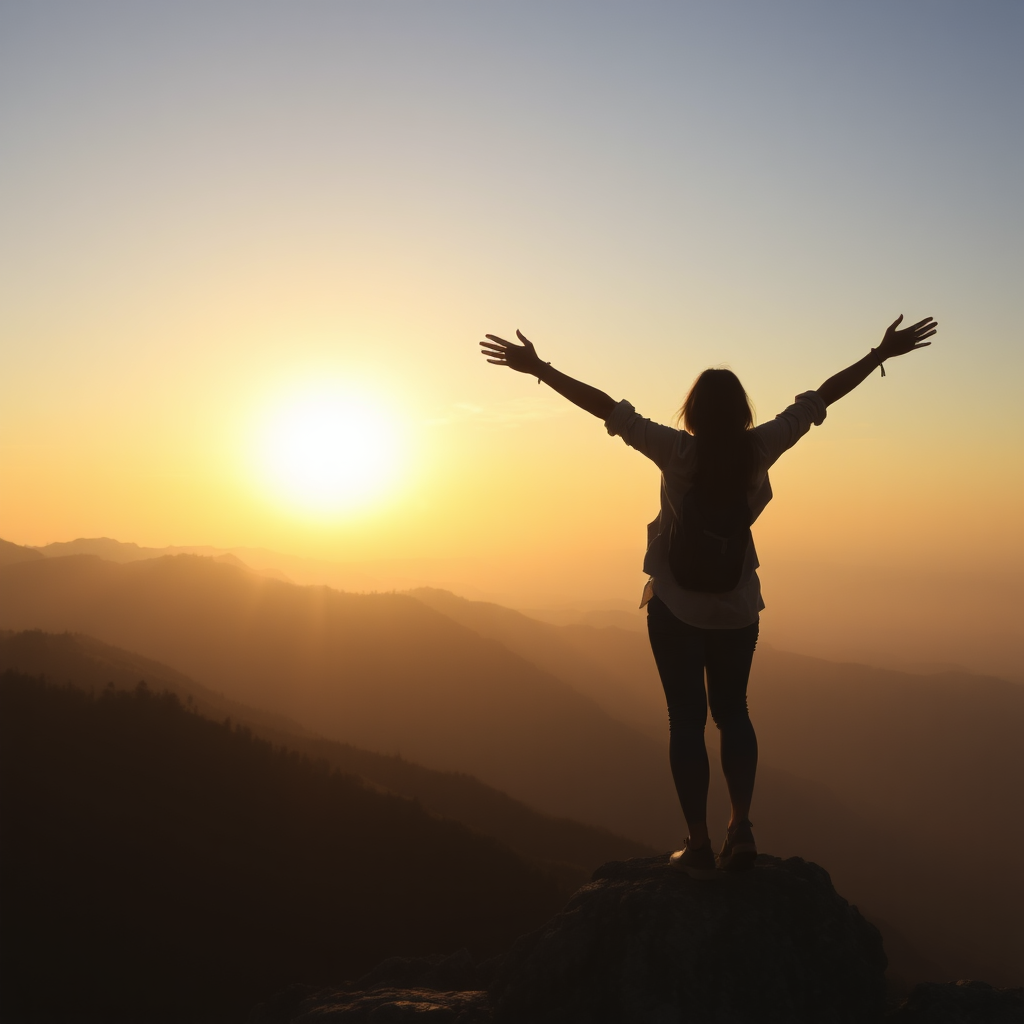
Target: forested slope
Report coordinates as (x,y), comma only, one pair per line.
(161,866)
(569,848)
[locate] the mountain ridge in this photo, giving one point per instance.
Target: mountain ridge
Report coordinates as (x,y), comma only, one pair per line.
(438,671)
(569,848)
(330,661)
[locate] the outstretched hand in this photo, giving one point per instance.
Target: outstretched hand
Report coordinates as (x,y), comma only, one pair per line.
(521,358)
(899,343)
(524,359)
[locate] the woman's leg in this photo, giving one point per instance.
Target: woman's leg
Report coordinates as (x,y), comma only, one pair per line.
(729,653)
(679,653)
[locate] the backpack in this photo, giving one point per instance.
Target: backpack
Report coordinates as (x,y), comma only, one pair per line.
(708,541)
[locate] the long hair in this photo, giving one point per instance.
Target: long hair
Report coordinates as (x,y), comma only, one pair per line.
(717,412)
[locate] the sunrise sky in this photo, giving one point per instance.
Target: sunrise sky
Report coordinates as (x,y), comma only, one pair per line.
(233,230)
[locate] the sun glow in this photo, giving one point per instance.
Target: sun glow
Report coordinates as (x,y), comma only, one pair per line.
(328,451)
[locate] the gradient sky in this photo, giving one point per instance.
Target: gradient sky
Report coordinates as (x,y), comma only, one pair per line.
(213,211)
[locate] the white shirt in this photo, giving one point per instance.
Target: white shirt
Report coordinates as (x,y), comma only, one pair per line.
(674,453)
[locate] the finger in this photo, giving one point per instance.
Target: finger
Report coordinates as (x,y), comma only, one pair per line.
(921,323)
(896,322)
(922,344)
(494,337)
(491,347)
(497,362)
(524,339)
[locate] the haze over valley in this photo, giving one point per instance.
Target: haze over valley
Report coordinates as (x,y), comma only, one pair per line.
(568,721)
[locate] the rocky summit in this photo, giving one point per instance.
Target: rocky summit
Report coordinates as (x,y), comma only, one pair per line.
(643,944)
(646,945)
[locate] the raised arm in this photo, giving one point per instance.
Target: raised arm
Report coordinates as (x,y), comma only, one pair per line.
(524,359)
(894,343)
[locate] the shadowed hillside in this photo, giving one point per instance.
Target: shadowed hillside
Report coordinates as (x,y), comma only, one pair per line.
(87,664)
(569,848)
(381,671)
(378,671)
(612,666)
(386,672)
(160,866)
(879,744)
(934,761)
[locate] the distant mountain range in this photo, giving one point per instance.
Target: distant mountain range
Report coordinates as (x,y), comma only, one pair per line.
(867,772)
(376,575)
(120,552)
(12,554)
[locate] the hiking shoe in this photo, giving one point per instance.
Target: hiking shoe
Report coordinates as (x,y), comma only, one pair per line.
(739,851)
(696,862)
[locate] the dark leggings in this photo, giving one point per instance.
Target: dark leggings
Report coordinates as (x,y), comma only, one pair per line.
(682,653)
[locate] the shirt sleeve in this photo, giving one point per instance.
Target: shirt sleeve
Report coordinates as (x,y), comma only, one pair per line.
(654,440)
(780,434)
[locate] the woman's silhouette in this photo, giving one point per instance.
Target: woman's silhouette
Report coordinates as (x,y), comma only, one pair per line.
(703,598)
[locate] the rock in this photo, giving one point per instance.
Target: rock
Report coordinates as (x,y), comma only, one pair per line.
(643,944)
(387,1005)
(439,989)
(965,1002)
(455,973)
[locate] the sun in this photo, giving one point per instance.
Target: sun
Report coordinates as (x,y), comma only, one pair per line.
(327,451)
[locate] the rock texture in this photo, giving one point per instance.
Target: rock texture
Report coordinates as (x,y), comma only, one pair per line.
(387,1005)
(642,944)
(438,989)
(966,1002)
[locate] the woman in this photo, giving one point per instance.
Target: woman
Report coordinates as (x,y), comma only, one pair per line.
(703,597)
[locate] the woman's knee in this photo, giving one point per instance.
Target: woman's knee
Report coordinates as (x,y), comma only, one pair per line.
(732,719)
(687,721)
(728,705)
